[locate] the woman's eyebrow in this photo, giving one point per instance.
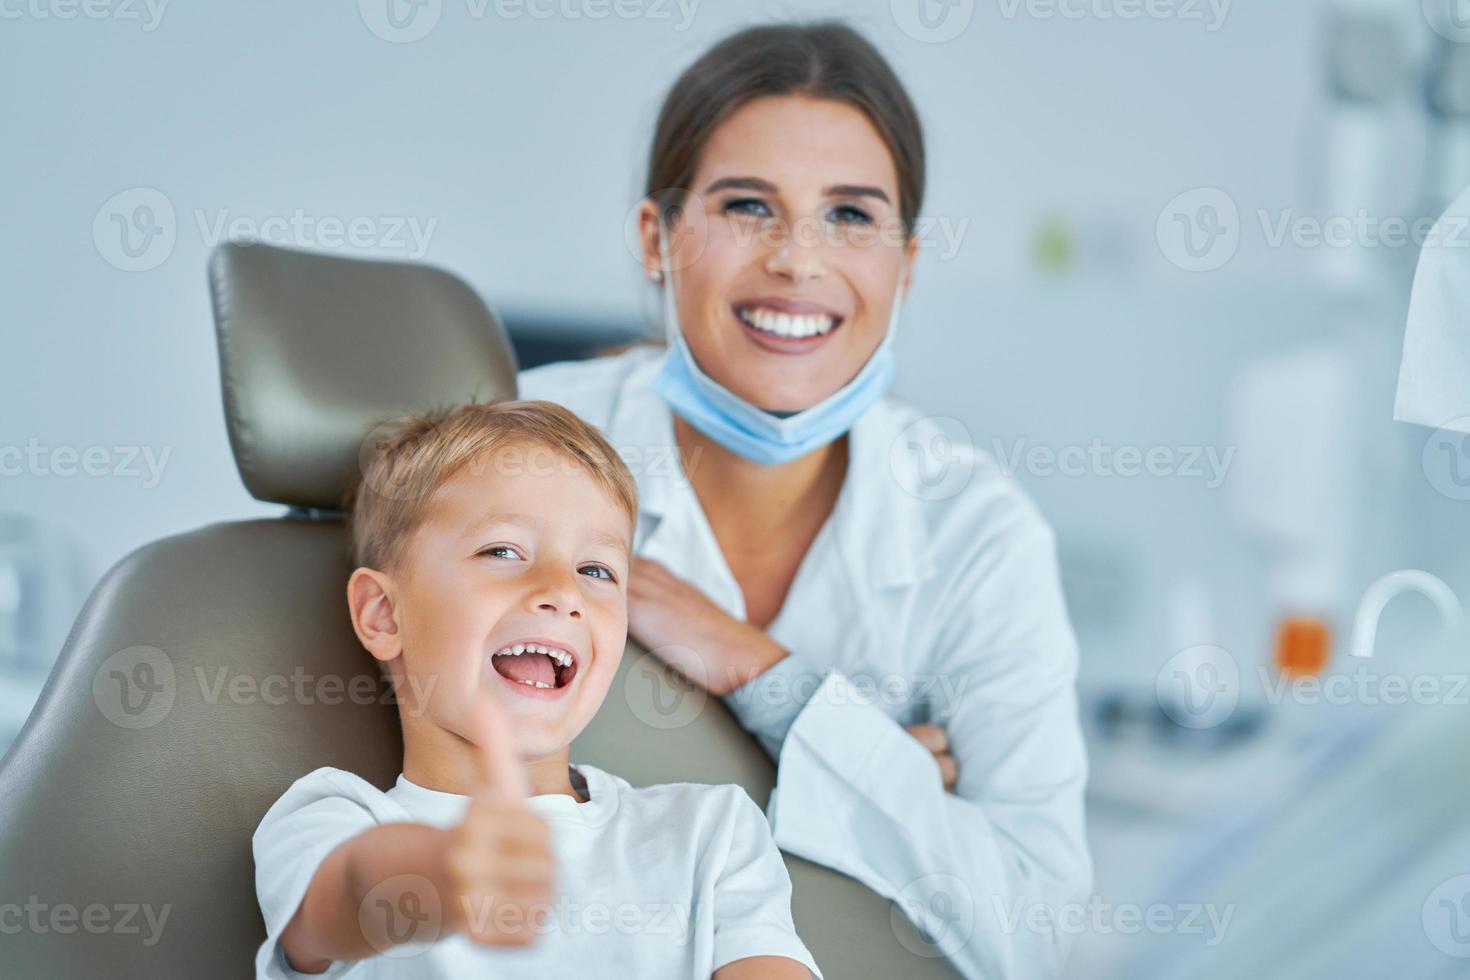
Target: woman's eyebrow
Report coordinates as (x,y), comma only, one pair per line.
(856,190)
(741,183)
(758,184)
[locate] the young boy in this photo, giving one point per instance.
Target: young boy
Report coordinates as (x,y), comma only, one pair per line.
(494,545)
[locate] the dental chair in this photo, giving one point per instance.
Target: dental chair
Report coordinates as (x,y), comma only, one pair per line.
(209,670)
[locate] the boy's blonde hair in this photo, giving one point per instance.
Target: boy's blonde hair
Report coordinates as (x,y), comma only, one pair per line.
(404,462)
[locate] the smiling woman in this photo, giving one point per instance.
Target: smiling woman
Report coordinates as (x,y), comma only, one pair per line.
(805,558)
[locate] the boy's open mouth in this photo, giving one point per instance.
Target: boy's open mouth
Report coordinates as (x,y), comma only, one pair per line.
(540,665)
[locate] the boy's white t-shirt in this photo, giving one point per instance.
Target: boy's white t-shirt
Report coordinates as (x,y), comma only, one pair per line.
(670,881)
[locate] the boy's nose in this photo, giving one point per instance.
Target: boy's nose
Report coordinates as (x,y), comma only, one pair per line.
(556,592)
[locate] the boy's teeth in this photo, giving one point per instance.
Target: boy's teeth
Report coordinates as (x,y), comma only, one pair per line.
(786,325)
(559,657)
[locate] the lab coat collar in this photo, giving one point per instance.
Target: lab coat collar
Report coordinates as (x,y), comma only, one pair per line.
(880,525)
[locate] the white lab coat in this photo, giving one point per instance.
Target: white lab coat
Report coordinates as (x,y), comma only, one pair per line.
(955,604)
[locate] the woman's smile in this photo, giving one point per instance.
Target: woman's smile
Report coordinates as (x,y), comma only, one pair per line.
(786,326)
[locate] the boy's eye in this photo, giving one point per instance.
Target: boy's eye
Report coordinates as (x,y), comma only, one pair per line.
(499,551)
(600,571)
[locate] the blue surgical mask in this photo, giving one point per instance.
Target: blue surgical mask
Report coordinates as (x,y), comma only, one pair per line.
(752,432)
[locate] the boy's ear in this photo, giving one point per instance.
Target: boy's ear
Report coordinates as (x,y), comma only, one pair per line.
(372,600)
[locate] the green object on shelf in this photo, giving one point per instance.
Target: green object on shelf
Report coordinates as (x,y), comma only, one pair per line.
(1054,246)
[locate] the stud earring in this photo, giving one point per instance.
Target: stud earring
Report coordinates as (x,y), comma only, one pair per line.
(655,276)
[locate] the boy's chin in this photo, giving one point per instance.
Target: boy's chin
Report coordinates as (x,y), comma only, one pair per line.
(541,731)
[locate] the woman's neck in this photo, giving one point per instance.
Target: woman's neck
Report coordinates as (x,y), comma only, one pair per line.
(754,499)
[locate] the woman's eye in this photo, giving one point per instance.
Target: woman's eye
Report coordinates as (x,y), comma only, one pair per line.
(751,206)
(499,551)
(848,214)
(600,571)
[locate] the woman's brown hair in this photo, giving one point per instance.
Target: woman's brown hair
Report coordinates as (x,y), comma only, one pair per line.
(824,60)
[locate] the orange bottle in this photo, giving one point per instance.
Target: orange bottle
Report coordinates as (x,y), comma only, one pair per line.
(1303,646)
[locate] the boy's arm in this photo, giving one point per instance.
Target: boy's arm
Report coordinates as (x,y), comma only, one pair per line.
(763,968)
(327,927)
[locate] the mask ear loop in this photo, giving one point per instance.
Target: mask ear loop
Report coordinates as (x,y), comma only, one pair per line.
(900,294)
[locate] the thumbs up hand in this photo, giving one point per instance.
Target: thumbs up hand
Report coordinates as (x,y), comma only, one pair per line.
(498,868)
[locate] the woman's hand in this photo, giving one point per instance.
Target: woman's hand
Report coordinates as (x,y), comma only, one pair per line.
(686,629)
(932,737)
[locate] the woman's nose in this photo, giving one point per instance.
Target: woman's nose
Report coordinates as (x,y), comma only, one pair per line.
(797,259)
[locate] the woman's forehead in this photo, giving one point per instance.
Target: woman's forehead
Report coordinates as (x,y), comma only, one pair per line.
(799,144)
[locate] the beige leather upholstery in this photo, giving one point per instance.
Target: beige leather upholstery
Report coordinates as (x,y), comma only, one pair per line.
(209,670)
(316,349)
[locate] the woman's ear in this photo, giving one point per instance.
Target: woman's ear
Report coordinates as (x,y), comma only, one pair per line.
(372,600)
(686,238)
(648,235)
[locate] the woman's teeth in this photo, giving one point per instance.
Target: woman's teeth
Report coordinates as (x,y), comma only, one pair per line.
(786,325)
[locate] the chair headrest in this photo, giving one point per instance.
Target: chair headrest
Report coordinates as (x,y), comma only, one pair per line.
(315,350)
